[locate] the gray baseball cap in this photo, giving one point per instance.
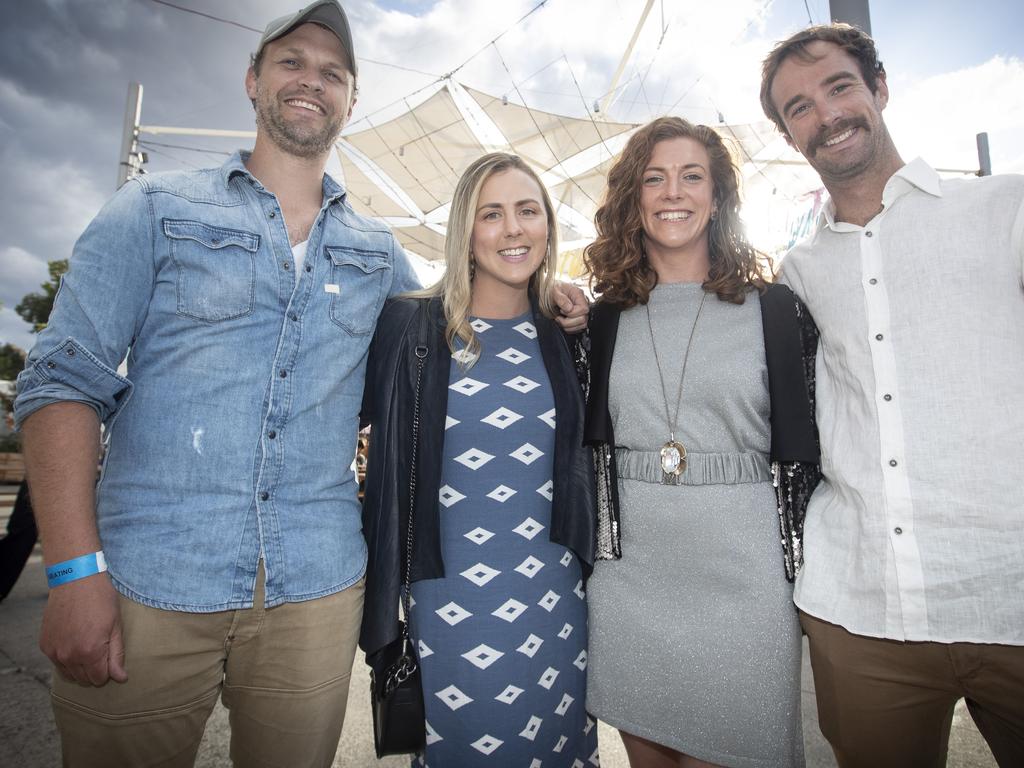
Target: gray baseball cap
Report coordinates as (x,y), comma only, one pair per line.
(326,13)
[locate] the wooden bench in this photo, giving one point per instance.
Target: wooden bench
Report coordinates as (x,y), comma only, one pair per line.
(12,468)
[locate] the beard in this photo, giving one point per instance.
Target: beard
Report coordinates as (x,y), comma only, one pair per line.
(300,140)
(843,169)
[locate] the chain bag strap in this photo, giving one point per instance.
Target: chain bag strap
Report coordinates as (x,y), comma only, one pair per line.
(397,695)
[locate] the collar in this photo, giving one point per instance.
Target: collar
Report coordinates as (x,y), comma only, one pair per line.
(916,174)
(235,166)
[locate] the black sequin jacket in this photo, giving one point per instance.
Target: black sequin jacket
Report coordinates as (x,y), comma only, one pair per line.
(790,342)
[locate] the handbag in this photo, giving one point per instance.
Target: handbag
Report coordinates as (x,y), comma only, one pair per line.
(396,688)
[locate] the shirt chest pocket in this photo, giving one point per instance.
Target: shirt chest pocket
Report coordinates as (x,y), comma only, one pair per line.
(359,280)
(216,269)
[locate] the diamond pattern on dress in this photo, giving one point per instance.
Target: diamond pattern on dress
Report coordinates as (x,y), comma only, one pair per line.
(474,458)
(479,325)
(526,453)
(577,763)
(510,694)
(529,567)
(560,744)
(501,418)
(479,574)
(479,535)
(566,558)
(482,656)
(589,726)
(578,591)
(486,744)
(532,726)
(510,610)
(581,662)
(513,355)
(501,493)
(535,763)
(522,384)
(546,490)
(467,386)
(527,329)
(448,495)
(424,649)
(548,417)
(549,601)
(453,613)
(564,704)
(565,631)
(530,645)
(449,422)
(432,735)
(594,759)
(453,697)
(548,678)
(528,528)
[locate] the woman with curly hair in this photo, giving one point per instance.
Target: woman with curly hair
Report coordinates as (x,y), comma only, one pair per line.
(701,414)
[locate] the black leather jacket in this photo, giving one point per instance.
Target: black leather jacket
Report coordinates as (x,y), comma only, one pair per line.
(388,405)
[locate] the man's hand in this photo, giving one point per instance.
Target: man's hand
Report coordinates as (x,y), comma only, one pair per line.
(573,304)
(82,631)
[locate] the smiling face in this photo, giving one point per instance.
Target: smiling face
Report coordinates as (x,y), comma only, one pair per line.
(304,92)
(831,116)
(676,201)
(509,240)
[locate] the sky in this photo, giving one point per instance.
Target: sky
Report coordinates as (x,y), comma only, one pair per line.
(954,69)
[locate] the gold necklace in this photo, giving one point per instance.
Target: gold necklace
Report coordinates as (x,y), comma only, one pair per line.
(673,454)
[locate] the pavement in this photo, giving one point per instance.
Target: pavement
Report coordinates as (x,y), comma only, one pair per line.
(29,738)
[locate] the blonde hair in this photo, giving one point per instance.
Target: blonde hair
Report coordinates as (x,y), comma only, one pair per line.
(455,288)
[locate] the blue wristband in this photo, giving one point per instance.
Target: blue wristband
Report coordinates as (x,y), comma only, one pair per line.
(76,568)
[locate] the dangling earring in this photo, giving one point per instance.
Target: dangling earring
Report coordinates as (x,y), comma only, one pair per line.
(714,213)
(472,266)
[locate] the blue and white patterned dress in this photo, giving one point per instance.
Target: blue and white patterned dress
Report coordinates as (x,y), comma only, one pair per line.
(502,638)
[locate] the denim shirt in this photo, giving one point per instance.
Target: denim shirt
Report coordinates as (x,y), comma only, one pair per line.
(232,436)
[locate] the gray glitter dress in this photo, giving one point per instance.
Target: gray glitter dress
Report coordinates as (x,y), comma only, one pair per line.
(694,640)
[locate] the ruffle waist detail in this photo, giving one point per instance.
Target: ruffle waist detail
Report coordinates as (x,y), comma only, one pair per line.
(701,468)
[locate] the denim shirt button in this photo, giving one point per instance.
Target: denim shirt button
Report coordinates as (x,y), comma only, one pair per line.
(50,364)
(271,214)
(286,265)
(71,351)
(271,434)
(284,374)
(264,496)
(293,317)
(309,268)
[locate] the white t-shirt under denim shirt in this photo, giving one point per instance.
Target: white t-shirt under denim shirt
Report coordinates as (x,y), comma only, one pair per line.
(917,531)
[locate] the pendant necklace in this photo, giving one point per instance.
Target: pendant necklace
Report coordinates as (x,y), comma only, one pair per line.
(673,454)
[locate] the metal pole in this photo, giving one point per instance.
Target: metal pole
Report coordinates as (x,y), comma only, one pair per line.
(131,159)
(625,58)
(853,12)
(984,161)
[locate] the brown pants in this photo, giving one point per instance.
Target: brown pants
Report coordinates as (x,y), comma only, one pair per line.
(283,673)
(888,703)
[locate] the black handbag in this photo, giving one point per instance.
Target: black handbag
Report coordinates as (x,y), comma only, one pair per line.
(396,689)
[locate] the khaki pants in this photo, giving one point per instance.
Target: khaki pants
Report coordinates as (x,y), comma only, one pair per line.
(885,703)
(283,673)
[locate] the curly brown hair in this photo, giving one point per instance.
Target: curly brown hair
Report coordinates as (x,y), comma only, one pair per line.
(618,267)
(850,39)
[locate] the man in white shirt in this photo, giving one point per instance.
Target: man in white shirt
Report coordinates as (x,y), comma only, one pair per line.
(912,590)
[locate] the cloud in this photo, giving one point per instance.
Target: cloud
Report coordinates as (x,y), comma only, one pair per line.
(938,117)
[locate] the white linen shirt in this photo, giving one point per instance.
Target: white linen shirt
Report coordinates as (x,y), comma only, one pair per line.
(917,530)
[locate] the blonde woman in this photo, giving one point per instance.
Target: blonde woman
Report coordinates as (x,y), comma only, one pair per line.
(503,514)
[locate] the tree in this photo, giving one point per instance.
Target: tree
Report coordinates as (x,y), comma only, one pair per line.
(35,308)
(12,360)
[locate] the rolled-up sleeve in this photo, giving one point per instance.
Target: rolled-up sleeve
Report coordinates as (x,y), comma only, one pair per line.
(99,308)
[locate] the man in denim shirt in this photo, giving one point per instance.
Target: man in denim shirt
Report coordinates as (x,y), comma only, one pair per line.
(245,298)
